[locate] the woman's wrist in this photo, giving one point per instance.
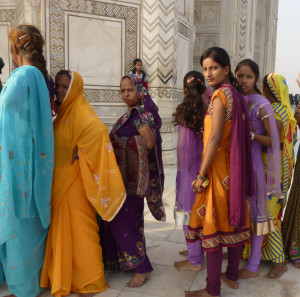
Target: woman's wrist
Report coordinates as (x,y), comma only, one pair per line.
(201,177)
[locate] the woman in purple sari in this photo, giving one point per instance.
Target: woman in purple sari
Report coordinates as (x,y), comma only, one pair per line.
(265,140)
(137,144)
(189,117)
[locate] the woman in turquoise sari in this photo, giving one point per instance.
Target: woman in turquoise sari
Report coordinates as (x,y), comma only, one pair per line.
(26,165)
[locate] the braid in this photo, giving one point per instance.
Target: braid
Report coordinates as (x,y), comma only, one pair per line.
(30,42)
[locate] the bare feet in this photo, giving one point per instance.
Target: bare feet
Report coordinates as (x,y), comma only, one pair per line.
(186,265)
(277,270)
(296,264)
(200,293)
(245,273)
(138,280)
(184,253)
(232,284)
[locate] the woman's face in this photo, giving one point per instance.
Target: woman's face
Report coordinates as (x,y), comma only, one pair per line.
(128,92)
(214,73)
(246,79)
(62,83)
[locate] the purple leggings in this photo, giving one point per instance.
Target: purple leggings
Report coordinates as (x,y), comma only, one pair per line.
(195,252)
(214,267)
(254,259)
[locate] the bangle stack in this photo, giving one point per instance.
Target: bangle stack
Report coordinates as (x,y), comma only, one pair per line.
(204,179)
(252,135)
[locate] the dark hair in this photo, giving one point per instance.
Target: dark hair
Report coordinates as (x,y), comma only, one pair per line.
(29,41)
(1,65)
(267,91)
(64,72)
(192,110)
(220,56)
(137,60)
(255,69)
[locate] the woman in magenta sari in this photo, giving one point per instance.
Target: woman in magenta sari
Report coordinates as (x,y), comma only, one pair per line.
(265,140)
(137,144)
(189,117)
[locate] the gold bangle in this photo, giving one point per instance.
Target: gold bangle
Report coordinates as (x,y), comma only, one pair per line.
(205,183)
(201,177)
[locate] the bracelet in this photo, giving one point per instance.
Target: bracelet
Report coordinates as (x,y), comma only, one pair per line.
(201,177)
(252,135)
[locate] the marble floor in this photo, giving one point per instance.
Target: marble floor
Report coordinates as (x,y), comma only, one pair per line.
(164,241)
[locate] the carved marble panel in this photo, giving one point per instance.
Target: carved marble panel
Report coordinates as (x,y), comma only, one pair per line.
(210,13)
(115,26)
(98,67)
(204,41)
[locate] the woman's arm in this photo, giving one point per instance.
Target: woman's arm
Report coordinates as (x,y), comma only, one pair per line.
(297,111)
(214,140)
(265,140)
(147,135)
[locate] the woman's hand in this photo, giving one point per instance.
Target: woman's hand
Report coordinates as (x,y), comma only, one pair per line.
(298,80)
(197,186)
(75,154)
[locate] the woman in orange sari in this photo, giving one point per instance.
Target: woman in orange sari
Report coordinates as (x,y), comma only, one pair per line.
(219,215)
(89,182)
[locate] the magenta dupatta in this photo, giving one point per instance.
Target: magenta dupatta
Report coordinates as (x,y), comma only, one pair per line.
(241,166)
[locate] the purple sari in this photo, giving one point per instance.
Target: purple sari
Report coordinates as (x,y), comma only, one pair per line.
(266,181)
(241,180)
(189,155)
(123,239)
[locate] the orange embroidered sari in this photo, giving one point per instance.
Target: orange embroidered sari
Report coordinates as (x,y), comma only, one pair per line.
(73,259)
(210,213)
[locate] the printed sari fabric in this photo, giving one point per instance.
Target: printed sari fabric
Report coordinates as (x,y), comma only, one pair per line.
(123,238)
(26,162)
(215,209)
(291,220)
(267,180)
(93,183)
(189,154)
(272,248)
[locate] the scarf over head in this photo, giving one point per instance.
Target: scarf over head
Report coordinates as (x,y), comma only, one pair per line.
(241,166)
(279,88)
(102,181)
(26,150)
(148,112)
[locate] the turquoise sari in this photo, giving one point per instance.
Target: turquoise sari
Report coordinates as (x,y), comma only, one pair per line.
(26,166)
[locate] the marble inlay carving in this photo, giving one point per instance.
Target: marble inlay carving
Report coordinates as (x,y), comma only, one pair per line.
(57,14)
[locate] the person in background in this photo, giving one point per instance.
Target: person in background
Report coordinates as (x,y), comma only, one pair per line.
(275,89)
(138,146)
(1,67)
(265,151)
(86,180)
(189,117)
(138,72)
(219,216)
(291,219)
(26,165)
